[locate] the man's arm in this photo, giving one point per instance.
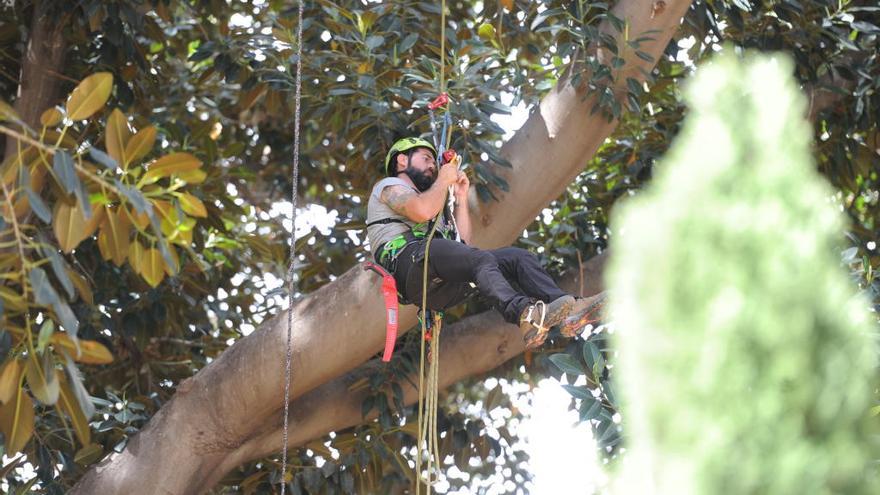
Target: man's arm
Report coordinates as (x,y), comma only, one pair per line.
(463,219)
(461,213)
(418,207)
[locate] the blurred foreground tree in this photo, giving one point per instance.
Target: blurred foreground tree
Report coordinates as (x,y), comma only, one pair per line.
(748,361)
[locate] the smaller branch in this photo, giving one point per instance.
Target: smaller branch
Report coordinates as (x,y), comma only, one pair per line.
(25,138)
(580,274)
(52,150)
(171,340)
(17,231)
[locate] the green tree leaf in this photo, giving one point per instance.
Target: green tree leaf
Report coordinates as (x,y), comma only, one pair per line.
(104,159)
(45,294)
(567,364)
(42,378)
(46,331)
(17,421)
(62,164)
(59,267)
(89,96)
(578,392)
(38,205)
(590,408)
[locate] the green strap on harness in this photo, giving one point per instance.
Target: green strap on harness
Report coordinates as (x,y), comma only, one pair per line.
(393,247)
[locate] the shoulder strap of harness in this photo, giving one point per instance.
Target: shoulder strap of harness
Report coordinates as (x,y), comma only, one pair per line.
(386,220)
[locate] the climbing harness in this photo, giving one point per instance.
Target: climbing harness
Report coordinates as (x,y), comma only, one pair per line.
(385,264)
(290,269)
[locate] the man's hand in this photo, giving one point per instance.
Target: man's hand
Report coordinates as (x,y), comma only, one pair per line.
(448,175)
(462,185)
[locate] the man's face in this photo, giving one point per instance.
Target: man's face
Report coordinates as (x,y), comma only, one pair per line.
(422,168)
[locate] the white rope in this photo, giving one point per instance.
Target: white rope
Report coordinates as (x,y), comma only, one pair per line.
(543,314)
(290,270)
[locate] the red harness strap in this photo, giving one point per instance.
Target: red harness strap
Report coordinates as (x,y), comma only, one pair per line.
(389,292)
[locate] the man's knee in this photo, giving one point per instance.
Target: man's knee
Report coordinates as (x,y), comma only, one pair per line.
(522,253)
(481,259)
(512,253)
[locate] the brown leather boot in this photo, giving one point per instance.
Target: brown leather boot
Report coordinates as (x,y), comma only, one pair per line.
(537,319)
(586,310)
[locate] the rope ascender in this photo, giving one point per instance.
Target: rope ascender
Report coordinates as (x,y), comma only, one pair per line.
(290,270)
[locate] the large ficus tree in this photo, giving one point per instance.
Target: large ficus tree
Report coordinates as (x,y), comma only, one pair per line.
(148,152)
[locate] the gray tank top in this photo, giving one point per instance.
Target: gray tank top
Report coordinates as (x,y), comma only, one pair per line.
(381,233)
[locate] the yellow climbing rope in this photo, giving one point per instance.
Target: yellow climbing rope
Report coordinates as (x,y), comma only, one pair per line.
(442,46)
(428,399)
(428,403)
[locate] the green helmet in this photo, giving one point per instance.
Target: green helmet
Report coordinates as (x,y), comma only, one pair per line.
(404,145)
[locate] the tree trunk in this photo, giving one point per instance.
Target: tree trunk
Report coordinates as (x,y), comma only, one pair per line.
(230,402)
(41,65)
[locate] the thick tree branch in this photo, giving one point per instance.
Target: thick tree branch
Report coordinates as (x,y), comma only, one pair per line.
(229,402)
(474,345)
(557,141)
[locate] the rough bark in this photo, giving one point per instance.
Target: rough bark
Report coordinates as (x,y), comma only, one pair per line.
(228,403)
(42,62)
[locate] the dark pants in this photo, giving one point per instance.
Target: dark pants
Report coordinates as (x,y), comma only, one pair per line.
(453,266)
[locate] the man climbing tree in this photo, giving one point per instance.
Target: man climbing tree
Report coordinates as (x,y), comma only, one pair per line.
(400,214)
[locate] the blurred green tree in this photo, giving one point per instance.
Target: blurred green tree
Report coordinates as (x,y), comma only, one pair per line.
(748,361)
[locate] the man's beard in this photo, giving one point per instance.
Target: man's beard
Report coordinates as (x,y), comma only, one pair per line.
(422,180)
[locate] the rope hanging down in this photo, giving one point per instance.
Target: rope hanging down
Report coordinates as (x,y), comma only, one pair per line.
(290,271)
(428,404)
(428,399)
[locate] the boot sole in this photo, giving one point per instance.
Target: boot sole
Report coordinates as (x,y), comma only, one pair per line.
(574,325)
